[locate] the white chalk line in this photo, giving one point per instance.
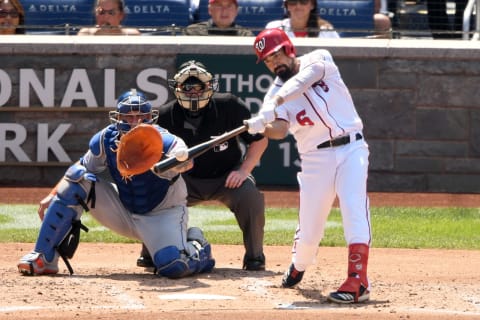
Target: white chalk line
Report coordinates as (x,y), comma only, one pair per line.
(20,308)
(194,296)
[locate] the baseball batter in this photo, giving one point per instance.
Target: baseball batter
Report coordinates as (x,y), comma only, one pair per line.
(309,99)
(147,207)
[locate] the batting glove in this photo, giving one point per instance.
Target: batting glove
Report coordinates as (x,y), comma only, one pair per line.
(181,154)
(268,111)
(255,124)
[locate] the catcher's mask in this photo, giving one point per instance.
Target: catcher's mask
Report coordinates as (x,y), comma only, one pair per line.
(270,41)
(132,108)
(193,85)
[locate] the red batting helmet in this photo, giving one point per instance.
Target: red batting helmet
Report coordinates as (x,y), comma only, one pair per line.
(271,40)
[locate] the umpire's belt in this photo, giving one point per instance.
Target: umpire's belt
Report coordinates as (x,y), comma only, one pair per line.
(339,141)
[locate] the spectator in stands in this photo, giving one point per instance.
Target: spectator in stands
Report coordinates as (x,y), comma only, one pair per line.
(109,15)
(12,17)
(221,23)
(438,19)
(302,20)
(381,20)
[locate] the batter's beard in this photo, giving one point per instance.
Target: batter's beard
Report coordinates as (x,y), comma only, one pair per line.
(284,72)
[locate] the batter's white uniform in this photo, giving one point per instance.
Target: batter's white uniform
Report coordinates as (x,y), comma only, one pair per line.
(319,108)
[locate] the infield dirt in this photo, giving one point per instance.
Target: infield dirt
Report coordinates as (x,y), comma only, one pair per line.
(406,284)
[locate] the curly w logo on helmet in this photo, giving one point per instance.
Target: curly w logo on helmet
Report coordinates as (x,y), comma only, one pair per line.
(260,45)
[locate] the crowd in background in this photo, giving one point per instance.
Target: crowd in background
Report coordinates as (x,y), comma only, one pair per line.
(301,18)
(12,17)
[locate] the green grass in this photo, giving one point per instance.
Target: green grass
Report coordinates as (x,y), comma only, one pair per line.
(393,227)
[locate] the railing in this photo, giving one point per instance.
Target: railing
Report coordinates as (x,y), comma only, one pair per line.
(467,14)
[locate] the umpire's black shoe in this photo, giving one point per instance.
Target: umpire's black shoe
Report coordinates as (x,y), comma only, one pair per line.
(145,262)
(292,277)
(254,264)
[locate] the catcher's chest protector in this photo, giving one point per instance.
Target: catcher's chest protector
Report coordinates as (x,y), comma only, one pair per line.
(141,193)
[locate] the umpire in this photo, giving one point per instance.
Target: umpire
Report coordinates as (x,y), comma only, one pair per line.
(223,173)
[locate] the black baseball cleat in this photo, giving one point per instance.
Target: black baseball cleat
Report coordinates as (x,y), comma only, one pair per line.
(254,264)
(349,297)
(292,277)
(145,262)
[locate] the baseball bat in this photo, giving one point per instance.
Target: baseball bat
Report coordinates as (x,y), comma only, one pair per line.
(198,150)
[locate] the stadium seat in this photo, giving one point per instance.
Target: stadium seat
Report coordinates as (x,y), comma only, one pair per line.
(52,16)
(157,14)
(254,14)
(351,18)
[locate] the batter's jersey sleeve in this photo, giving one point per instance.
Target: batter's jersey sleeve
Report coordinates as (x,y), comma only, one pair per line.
(318,104)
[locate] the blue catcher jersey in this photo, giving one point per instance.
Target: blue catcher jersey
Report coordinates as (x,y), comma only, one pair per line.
(142,192)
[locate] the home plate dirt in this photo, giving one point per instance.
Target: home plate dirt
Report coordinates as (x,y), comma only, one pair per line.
(406,284)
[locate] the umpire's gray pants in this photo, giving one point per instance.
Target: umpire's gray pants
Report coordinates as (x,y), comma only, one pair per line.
(246,202)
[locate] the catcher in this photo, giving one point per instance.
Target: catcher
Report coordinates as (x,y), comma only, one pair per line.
(134,202)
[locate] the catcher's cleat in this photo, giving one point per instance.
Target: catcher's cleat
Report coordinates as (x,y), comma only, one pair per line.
(254,264)
(145,262)
(292,277)
(349,297)
(35,263)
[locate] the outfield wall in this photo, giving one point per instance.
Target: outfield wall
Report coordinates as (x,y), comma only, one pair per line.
(419,100)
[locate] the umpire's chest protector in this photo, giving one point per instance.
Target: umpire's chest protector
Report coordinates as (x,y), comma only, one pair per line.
(143,192)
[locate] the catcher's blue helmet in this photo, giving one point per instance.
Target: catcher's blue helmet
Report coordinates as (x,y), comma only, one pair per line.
(132,103)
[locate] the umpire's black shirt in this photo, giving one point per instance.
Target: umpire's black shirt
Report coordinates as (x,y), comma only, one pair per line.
(225,112)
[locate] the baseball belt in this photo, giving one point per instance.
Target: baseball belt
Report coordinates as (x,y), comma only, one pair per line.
(339,141)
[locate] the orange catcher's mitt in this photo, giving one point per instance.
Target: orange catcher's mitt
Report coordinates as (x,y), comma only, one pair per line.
(138,150)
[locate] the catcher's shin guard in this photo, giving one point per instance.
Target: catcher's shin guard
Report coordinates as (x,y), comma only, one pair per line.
(201,258)
(201,261)
(172,263)
(55,226)
(62,212)
(356,287)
